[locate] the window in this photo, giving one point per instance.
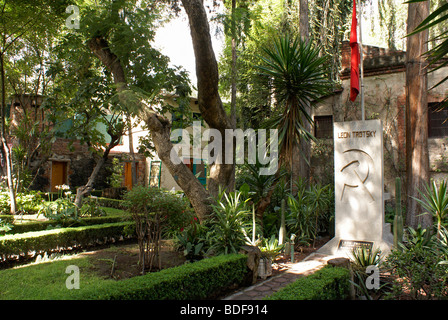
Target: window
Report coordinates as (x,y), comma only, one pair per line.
(437,121)
(323,127)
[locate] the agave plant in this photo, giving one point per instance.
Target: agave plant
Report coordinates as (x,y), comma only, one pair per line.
(271,248)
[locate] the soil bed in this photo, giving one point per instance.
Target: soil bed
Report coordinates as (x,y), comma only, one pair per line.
(121,262)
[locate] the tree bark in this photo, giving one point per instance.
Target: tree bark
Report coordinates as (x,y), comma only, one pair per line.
(233,87)
(417,155)
(209,101)
(5,147)
(304,156)
(88,187)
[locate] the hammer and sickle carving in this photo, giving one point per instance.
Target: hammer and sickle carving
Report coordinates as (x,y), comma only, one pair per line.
(356,171)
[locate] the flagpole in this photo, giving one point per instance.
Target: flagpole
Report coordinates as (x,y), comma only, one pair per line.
(361,60)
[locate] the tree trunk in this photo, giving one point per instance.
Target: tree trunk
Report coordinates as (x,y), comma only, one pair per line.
(160,131)
(131,153)
(5,148)
(233,87)
(304,156)
(417,156)
(86,189)
(209,101)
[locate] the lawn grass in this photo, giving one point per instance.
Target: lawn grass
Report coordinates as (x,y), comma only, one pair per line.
(47,281)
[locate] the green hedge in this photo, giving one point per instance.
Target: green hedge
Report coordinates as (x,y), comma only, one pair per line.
(198,280)
(109,202)
(7,218)
(49,240)
(45,225)
(328,283)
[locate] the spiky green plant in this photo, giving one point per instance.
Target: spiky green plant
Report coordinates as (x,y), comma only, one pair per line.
(299,77)
(435,201)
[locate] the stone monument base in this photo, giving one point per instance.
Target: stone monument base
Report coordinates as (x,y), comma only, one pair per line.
(343,247)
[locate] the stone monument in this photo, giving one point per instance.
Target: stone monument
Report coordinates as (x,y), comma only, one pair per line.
(359,188)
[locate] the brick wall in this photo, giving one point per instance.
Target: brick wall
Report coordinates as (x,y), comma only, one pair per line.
(376,60)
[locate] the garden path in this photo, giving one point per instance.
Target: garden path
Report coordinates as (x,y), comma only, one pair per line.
(305,267)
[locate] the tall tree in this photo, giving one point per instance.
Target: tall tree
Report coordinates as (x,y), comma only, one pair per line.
(417,155)
(19,20)
(209,99)
(304,156)
(123,65)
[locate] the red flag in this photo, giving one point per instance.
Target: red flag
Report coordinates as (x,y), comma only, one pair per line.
(355,58)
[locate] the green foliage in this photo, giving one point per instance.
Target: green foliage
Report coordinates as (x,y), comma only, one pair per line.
(418,264)
(435,201)
(191,240)
(110,203)
(62,209)
(270,249)
(174,209)
(90,208)
(299,79)
(198,280)
(229,224)
(328,283)
(398,218)
(48,240)
(116,177)
(51,224)
(436,55)
(27,202)
(310,210)
(5,226)
(362,258)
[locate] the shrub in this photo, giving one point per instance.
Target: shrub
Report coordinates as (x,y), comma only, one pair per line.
(328,283)
(198,280)
(229,224)
(154,212)
(49,240)
(51,224)
(90,208)
(418,267)
(310,210)
(27,203)
(110,203)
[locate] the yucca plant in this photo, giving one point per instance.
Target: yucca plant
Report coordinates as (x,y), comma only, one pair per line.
(435,201)
(298,74)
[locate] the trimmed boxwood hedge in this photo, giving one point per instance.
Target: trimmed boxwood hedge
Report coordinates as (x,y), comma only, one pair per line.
(198,280)
(50,240)
(44,225)
(111,203)
(328,283)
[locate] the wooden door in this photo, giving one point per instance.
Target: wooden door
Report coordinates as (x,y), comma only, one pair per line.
(128,175)
(58,174)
